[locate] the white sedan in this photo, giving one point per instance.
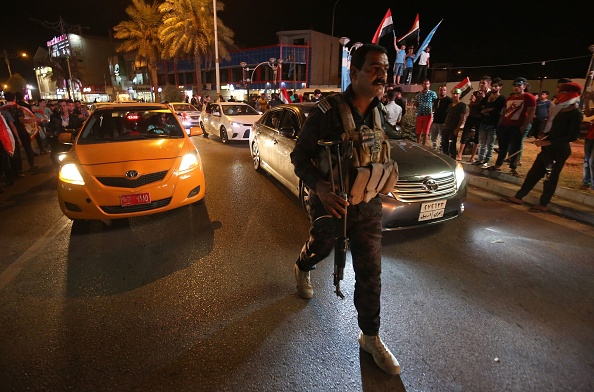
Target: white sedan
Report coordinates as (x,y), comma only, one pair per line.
(189,116)
(228,120)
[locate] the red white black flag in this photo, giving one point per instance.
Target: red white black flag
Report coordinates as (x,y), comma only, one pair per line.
(412,37)
(384,28)
(465,86)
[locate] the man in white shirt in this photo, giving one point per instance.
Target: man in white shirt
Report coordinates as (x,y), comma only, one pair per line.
(393,111)
(423,64)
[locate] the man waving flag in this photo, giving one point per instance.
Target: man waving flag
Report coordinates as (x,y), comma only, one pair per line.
(426,42)
(384,28)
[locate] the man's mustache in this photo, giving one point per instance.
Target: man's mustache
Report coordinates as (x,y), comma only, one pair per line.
(379,81)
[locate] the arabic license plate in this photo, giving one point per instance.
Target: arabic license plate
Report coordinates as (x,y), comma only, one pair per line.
(432,210)
(135,199)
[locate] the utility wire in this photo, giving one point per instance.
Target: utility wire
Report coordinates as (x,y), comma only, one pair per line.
(543,62)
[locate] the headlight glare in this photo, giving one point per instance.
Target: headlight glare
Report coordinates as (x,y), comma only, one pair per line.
(69,173)
(459,174)
(189,161)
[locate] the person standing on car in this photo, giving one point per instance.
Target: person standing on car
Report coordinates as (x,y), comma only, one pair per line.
(368,72)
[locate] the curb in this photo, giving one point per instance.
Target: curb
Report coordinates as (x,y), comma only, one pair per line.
(566,202)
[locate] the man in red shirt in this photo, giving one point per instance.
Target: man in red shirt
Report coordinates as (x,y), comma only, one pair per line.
(517,115)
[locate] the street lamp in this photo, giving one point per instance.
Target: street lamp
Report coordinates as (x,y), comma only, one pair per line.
(272,62)
(332,39)
(8,56)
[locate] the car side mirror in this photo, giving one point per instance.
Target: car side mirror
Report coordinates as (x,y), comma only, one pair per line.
(215,113)
(287,132)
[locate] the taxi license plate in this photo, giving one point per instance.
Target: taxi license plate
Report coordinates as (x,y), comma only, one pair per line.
(135,199)
(432,210)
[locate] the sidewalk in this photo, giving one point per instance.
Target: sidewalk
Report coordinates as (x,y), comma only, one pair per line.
(567,202)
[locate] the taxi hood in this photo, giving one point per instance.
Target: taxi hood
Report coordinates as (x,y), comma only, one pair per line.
(131,150)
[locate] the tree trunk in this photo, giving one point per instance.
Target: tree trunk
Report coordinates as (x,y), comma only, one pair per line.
(154,81)
(198,69)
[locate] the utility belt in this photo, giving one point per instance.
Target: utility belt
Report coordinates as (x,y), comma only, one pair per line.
(366,152)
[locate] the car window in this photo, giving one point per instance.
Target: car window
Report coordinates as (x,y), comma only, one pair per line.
(239,110)
(184,108)
(273,119)
(125,124)
(291,120)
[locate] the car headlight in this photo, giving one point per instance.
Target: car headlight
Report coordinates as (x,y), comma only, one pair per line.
(69,173)
(61,156)
(459,174)
(189,162)
(235,124)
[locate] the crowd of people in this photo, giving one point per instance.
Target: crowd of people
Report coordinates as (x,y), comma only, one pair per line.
(33,121)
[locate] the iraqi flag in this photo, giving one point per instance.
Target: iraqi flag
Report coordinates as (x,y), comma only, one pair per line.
(412,37)
(284,95)
(464,85)
(6,137)
(384,28)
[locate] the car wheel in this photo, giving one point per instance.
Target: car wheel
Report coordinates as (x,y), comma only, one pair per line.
(204,133)
(304,196)
(224,137)
(256,156)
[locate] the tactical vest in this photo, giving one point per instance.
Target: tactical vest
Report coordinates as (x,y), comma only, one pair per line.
(369,155)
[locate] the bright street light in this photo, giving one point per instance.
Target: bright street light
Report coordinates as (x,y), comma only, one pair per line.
(14,56)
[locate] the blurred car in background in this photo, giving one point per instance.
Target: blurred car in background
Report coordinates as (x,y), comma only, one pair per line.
(431,187)
(129,160)
(189,116)
(228,120)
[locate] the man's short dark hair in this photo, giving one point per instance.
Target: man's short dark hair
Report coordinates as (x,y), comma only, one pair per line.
(69,101)
(398,89)
(485,77)
(544,92)
(9,96)
(19,95)
(360,54)
(497,81)
(391,95)
(62,100)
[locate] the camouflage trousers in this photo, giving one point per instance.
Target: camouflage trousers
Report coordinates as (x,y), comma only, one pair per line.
(364,230)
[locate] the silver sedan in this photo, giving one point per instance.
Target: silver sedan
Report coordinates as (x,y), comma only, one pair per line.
(431,187)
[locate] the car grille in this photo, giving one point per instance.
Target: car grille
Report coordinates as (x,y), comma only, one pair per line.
(137,208)
(122,182)
(415,190)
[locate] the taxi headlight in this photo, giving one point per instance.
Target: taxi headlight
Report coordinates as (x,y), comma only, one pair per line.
(69,173)
(235,124)
(189,162)
(459,174)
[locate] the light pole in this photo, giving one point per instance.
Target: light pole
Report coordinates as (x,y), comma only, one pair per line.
(272,63)
(8,56)
(216,39)
(332,39)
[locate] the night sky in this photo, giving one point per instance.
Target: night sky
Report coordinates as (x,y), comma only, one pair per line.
(473,33)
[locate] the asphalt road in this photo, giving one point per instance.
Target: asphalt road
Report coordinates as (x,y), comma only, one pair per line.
(202,298)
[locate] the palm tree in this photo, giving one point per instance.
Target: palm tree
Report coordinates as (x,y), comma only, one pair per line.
(141,35)
(188,30)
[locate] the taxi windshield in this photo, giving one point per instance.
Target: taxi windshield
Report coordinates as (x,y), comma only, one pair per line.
(125,124)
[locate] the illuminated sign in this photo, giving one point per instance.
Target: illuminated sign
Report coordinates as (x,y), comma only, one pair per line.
(59,46)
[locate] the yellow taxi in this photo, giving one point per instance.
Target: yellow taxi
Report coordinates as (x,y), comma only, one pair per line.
(129,160)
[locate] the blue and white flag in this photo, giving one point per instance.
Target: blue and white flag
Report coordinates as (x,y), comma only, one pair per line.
(345,68)
(426,42)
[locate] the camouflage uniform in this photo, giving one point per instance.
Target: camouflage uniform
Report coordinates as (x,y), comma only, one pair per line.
(364,220)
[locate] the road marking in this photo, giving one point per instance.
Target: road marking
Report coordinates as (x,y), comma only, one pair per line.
(15,268)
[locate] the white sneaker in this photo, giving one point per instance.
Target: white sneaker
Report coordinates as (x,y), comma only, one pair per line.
(304,288)
(381,355)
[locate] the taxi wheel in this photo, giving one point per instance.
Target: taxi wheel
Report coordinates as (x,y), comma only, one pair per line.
(224,137)
(80,227)
(256,156)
